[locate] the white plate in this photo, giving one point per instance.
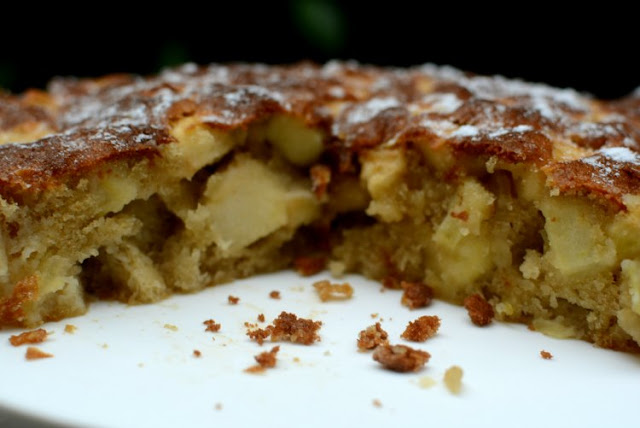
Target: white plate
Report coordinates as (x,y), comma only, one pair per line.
(124,368)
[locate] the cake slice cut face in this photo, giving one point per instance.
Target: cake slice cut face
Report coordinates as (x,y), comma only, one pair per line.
(135,188)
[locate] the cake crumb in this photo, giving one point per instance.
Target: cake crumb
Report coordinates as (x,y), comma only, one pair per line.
(34,353)
(233,300)
(265,360)
(259,334)
(462,215)
(400,358)
(374,315)
(337,268)
(288,327)
(453,379)
(425,382)
(309,265)
(371,337)
(416,294)
(391,282)
(29,337)
(171,327)
(320,179)
(422,328)
(261,317)
(218,406)
(275,294)
(70,328)
(546,355)
(328,291)
(296,359)
(377,403)
(480,311)
(197,353)
(212,326)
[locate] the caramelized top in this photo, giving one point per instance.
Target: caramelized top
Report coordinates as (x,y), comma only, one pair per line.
(585,146)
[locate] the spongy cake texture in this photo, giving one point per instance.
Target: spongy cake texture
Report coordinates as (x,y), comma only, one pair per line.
(135,187)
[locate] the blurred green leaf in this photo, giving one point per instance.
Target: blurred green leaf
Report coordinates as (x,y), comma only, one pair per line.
(321,22)
(173,53)
(8,75)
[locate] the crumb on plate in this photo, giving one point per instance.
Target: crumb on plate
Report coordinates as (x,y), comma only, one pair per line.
(212,326)
(371,337)
(329,291)
(401,358)
(233,300)
(29,337)
(261,317)
(546,355)
(453,379)
(377,403)
(416,294)
(171,327)
(197,353)
(34,353)
(425,382)
(259,334)
(265,360)
(275,294)
(480,311)
(288,328)
(70,328)
(422,328)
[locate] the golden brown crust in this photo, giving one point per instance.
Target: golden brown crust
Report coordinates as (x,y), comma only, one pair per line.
(12,308)
(17,111)
(129,117)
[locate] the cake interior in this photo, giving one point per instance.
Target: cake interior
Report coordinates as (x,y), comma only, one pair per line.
(219,205)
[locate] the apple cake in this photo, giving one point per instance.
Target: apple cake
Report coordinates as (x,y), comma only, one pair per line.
(135,188)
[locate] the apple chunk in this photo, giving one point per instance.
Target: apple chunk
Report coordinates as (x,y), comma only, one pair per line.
(248,201)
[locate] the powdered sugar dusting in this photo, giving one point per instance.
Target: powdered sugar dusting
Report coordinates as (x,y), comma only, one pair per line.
(360,106)
(368,110)
(620,154)
(466,131)
(443,103)
(546,100)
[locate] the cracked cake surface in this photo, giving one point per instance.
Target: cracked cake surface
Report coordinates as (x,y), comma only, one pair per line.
(134,188)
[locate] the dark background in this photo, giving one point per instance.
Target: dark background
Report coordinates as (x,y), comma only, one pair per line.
(593,50)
